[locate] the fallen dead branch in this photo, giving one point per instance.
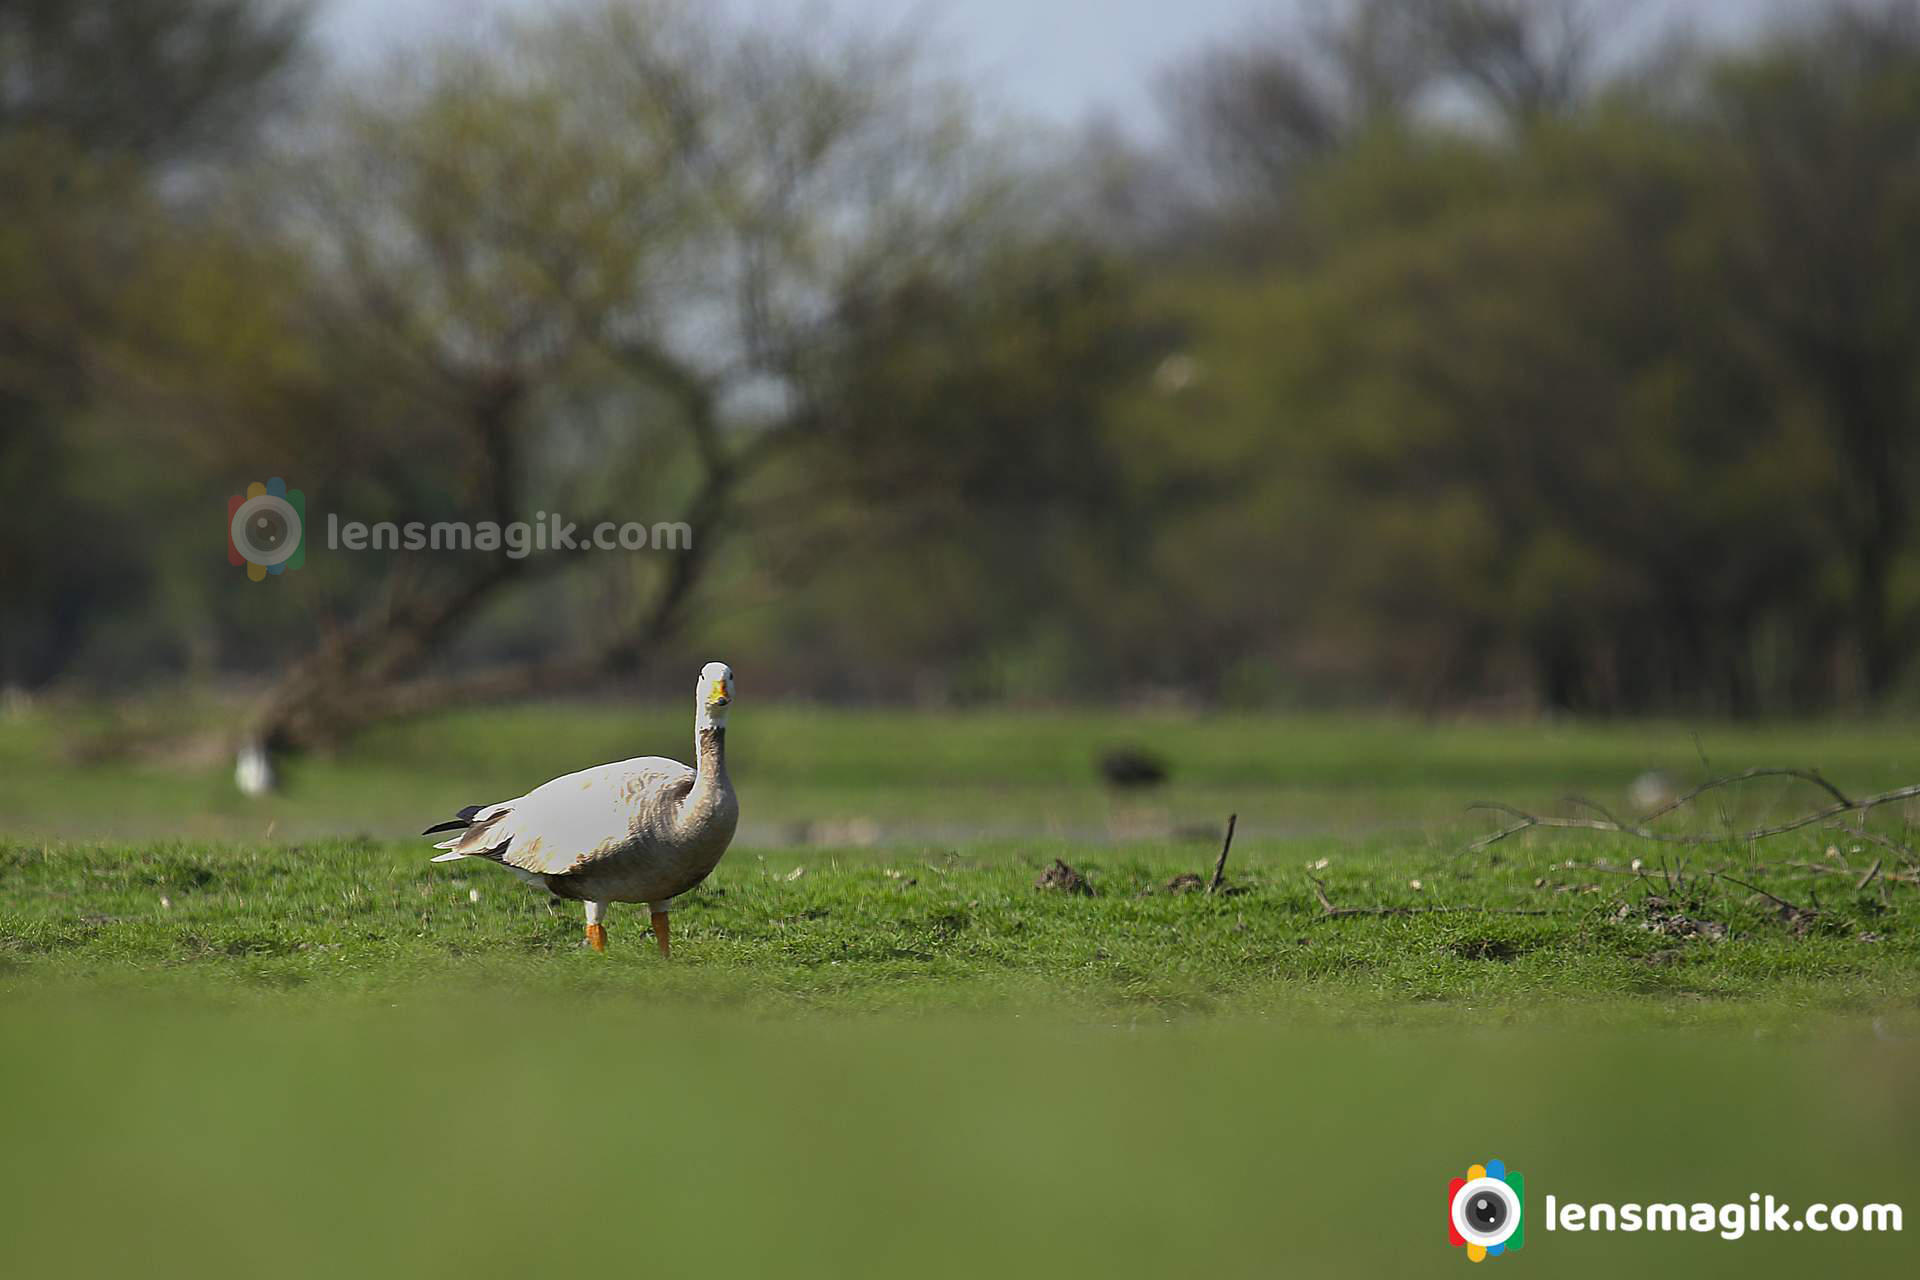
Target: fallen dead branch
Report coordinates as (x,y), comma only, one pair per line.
(1888,843)
(1602,820)
(1878,873)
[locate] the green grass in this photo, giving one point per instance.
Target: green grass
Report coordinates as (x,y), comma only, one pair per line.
(803,772)
(243,1038)
(476,1137)
(939,910)
(911,930)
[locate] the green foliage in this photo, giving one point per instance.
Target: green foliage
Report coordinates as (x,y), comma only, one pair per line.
(967,463)
(1541,402)
(1469,373)
(162,80)
(100,107)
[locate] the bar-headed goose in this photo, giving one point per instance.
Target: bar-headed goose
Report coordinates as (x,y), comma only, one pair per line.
(642,830)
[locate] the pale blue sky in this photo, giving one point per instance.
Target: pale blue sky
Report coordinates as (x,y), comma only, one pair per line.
(1060,60)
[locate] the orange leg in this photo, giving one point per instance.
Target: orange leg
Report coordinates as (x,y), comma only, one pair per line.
(597,936)
(662,934)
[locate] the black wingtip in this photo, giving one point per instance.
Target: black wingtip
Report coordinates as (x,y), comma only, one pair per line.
(459,822)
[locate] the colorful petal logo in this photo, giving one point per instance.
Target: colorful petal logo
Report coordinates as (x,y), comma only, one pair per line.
(1483,1211)
(264,528)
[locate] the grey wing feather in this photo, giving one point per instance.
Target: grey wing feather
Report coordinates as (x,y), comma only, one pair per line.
(576,820)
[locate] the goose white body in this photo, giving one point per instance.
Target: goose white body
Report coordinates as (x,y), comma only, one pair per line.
(641,830)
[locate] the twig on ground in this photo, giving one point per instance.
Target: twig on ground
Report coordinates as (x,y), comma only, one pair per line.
(1220,864)
(1773,898)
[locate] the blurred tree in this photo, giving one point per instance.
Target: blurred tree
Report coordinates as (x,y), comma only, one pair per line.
(1523,58)
(1475,359)
(1614,396)
(1815,143)
(1263,108)
(597,270)
(100,107)
(965,465)
(159,80)
(1259,109)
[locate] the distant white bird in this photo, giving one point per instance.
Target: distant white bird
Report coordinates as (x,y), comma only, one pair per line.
(642,830)
(253,770)
(1654,789)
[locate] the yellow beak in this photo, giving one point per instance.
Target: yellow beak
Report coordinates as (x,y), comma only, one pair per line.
(720,695)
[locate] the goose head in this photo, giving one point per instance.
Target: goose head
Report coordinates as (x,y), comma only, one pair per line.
(713,695)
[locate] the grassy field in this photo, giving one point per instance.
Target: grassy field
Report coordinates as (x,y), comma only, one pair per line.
(807,774)
(474,1138)
(273,1030)
(871,930)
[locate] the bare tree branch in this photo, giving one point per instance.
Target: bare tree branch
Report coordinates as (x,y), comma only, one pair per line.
(1523,821)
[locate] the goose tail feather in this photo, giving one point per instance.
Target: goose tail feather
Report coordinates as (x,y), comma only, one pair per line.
(477,839)
(459,822)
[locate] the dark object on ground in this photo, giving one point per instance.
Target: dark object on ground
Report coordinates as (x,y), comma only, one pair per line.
(1188,882)
(1065,878)
(1658,916)
(1220,867)
(1131,767)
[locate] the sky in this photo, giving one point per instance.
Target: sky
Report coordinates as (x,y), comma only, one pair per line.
(1061,61)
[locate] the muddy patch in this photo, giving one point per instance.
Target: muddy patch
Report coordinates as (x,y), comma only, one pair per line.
(1062,878)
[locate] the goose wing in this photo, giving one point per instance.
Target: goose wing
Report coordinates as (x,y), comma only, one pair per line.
(575,820)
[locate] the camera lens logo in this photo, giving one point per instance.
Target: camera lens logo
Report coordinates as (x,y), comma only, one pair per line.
(1483,1211)
(264,528)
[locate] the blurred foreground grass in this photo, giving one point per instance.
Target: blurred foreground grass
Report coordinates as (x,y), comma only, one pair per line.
(486,1138)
